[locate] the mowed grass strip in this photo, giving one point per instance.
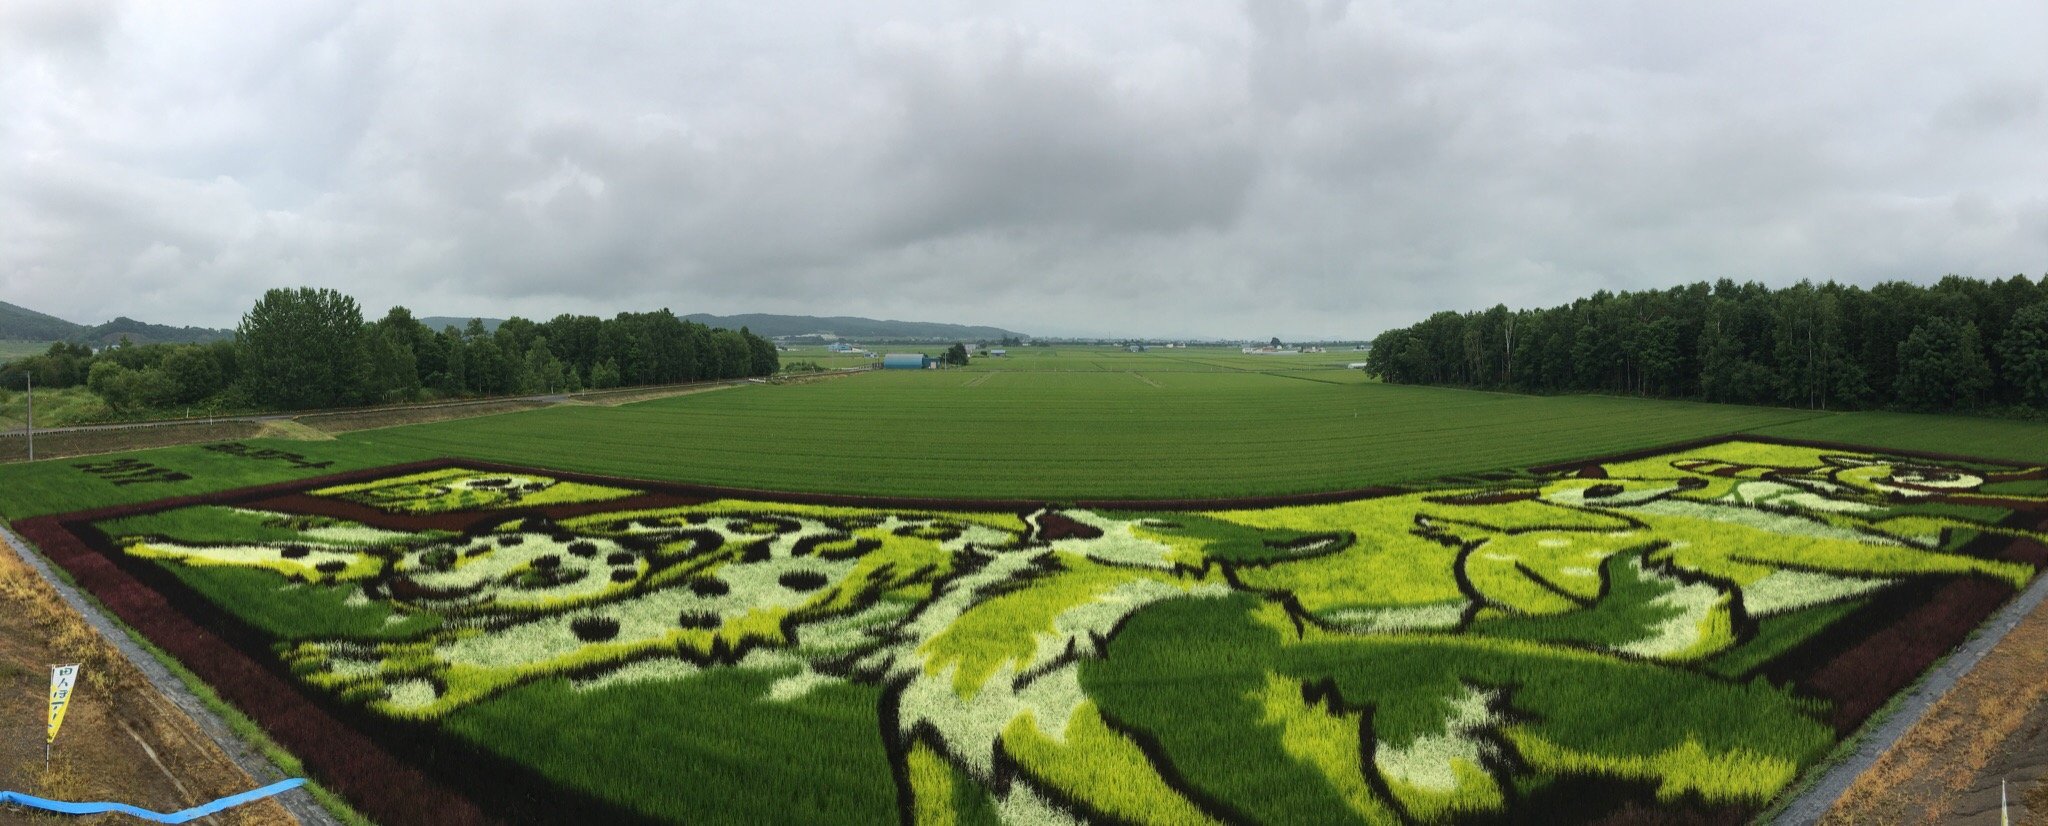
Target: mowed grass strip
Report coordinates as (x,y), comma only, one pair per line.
(1075,435)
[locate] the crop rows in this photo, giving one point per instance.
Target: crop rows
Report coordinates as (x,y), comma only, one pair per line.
(1074,435)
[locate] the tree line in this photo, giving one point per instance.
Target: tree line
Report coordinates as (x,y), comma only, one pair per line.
(306,348)
(1960,344)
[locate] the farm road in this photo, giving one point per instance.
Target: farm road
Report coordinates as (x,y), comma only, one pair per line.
(298,803)
(88,439)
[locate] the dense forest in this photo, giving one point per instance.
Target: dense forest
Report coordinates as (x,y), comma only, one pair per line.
(1960,344)
(305,348)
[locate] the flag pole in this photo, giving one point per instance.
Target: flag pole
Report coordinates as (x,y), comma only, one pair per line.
(47,738)
(31,418)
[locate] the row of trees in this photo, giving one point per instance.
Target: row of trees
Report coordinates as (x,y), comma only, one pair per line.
(311,348)
(1959,344)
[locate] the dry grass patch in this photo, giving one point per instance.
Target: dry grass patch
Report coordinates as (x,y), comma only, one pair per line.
(295,431)
(614,398)
(351,421)
(121,740)
(65,444)
(1950,753)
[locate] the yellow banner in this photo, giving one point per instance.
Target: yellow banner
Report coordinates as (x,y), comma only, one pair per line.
(62,678)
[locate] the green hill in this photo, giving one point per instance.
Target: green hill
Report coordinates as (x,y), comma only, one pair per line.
(23,324)
(19,323)
(145,333)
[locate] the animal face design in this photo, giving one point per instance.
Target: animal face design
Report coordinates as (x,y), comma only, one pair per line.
(993,635)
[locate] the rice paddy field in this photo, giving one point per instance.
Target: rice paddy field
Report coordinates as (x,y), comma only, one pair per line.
(1048,424)
(1073,586)
(1684,631)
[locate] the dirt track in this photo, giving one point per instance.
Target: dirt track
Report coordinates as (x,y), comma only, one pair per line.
(87,440)
(121,741)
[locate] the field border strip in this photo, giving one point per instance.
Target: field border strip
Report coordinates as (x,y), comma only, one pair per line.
(173,689)
(1823,791)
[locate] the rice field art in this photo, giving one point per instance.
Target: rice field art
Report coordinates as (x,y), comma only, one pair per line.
(1681,633)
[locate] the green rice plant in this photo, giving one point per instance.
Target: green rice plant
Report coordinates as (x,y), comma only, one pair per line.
(720,750)
(1006,629)
(205,524)
(461,489)
(942,794)
(310,611)
(1636,603)
(1779,634)
(1324,735)
(1085,758)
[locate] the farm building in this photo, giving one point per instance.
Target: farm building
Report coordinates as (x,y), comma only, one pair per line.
(905,361)
(999,353)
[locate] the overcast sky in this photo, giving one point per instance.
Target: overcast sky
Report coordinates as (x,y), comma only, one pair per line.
(1178,168)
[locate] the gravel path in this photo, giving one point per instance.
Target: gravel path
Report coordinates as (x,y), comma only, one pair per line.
(301,805)
(1811,805)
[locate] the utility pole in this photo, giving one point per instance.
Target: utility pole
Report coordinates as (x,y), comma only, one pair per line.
(31,416)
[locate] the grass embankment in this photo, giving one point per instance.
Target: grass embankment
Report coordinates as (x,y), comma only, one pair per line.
(60,407)
(78,443)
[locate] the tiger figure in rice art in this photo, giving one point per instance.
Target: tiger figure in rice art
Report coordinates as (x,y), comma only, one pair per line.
(995,634)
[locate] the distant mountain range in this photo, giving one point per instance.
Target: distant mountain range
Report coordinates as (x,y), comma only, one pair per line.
(22,324)
(774,326)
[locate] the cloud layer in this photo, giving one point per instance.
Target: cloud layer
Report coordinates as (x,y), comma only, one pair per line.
(1319,169)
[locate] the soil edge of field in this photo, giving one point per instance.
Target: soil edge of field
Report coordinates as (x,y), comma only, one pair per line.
(171,687)
(1866,747)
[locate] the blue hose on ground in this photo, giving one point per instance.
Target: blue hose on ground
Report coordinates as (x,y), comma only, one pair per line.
(62,807)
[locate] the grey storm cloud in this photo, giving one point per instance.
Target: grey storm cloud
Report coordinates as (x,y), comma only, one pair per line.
(1229,169)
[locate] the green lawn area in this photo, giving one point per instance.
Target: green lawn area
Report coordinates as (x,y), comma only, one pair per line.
(11,350)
